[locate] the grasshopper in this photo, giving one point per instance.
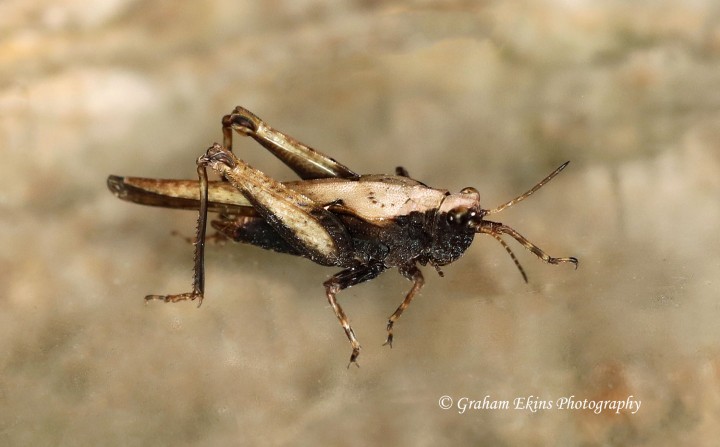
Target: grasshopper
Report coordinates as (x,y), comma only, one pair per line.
(333,216)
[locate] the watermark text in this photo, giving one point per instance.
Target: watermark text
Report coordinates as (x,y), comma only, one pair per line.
(533,404)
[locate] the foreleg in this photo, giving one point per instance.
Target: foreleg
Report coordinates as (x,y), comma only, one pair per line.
(414,274)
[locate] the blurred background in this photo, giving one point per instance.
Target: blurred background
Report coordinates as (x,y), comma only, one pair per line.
(490,94)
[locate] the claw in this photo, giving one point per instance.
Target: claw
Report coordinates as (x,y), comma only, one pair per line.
(192,296)
(389,340)
(354,356)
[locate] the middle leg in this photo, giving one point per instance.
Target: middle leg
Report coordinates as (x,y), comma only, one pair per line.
(343,280)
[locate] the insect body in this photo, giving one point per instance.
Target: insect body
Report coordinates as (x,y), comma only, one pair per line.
(365,224)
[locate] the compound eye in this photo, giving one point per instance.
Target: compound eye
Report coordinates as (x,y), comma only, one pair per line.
(459,216)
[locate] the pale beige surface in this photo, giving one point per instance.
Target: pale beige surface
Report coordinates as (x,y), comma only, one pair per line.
(486,94)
